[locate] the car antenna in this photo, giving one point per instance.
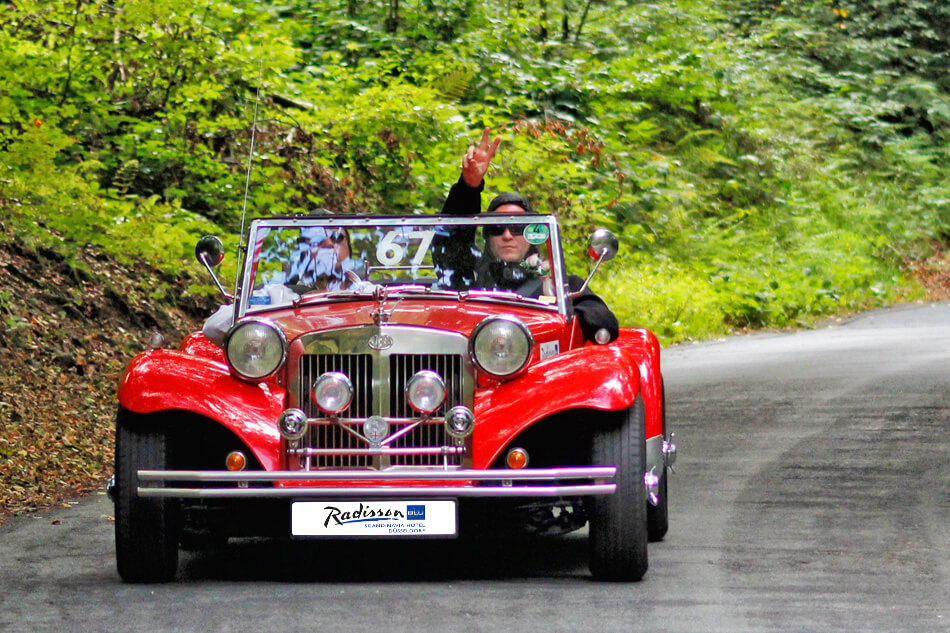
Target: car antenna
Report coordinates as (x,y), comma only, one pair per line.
(242,247)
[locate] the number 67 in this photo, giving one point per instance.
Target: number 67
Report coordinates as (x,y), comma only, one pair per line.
(389,252)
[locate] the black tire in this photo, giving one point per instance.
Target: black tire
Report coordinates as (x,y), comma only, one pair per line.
(146,529)
(618,522)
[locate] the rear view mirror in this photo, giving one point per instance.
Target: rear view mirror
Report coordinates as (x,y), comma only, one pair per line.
(210,252)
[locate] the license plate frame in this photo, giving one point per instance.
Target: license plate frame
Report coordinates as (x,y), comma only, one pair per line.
(402,518)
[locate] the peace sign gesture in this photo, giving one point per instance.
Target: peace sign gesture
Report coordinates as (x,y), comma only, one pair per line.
(477,159)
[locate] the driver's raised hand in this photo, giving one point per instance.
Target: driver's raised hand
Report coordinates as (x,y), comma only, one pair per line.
(476,160)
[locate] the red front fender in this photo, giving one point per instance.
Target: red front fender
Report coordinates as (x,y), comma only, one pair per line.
(645,347)
(165,380)
(605,378)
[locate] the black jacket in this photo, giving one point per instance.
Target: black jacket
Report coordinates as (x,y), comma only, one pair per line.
(592,313)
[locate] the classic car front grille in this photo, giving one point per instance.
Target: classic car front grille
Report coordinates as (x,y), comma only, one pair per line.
(419,446)
(402,367)
(357,367)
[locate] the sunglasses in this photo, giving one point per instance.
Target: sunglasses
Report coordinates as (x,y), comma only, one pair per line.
(494,230)
(333,238)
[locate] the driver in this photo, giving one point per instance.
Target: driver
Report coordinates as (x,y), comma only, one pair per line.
(502,266)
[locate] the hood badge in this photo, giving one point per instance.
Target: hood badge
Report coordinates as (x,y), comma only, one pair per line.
(380,341)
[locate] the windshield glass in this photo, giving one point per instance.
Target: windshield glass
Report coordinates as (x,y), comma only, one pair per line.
(514,254)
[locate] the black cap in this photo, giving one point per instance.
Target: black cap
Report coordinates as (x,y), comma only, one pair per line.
(510,198)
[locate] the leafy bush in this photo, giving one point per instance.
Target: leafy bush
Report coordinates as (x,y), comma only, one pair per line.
(764,164)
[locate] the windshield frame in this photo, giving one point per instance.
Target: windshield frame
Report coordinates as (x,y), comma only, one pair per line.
(360,221)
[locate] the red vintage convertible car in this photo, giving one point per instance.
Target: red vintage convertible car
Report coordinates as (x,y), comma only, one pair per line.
(366,381)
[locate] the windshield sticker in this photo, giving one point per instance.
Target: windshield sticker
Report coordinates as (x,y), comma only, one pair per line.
(391,250)
(536,233)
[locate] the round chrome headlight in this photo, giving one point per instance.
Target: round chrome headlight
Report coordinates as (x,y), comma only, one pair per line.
(425,391)
(501,345)
(332,392)
(255,349)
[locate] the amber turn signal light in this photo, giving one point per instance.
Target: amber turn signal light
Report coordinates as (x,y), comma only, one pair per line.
(517,458)
(236,461)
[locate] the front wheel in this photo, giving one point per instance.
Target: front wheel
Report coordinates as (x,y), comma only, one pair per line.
(146,528)
(618,522)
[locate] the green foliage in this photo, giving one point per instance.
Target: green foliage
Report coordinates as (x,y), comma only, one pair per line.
(764,163)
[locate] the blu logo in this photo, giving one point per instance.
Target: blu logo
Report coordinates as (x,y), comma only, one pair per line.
(415,513)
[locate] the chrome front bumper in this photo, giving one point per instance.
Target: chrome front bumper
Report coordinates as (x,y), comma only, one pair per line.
(580,481)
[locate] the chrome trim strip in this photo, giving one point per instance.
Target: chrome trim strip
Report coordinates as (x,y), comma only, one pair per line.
(408,492)
(536,474)
(503,487)
(655,454)
(382,450)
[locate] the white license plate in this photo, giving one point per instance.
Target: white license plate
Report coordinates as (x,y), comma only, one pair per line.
(373,518)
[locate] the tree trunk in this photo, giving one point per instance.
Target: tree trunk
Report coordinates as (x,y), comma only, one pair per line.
(565,21)
(543,31)
(392,20)
(577,35)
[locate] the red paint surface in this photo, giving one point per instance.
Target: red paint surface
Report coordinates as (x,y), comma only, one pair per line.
(165,380)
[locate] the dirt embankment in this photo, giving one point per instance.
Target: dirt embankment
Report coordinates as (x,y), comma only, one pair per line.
(68,327)
(933,273)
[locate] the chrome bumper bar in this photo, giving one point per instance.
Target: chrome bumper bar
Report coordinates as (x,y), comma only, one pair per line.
(585,480)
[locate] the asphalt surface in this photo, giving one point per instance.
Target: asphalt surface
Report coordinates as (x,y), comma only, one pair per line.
(812,493)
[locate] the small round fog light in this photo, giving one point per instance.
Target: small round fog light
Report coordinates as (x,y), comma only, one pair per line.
(517,458)
(459,422)
(292,424)
(332,392)
(425,391)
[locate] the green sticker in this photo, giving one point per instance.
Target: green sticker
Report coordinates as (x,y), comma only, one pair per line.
(536,233)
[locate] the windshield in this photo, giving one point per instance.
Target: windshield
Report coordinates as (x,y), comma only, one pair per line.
(514,257)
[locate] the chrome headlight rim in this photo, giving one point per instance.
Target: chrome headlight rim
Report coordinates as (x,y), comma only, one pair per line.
(483,325)
(293,424)
(281,340)
(459,416)
(341,379)
(433,378)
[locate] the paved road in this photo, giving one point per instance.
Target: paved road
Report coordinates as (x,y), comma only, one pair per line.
(812,494)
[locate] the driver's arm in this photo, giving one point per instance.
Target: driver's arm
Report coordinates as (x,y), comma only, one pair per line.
(591,311)
(465,195)
(463,199)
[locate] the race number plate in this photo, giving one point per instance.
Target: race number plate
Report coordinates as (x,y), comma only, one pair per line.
(373,518)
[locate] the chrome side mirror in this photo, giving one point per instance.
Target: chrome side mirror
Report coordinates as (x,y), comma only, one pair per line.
(601,247)
(210,252)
